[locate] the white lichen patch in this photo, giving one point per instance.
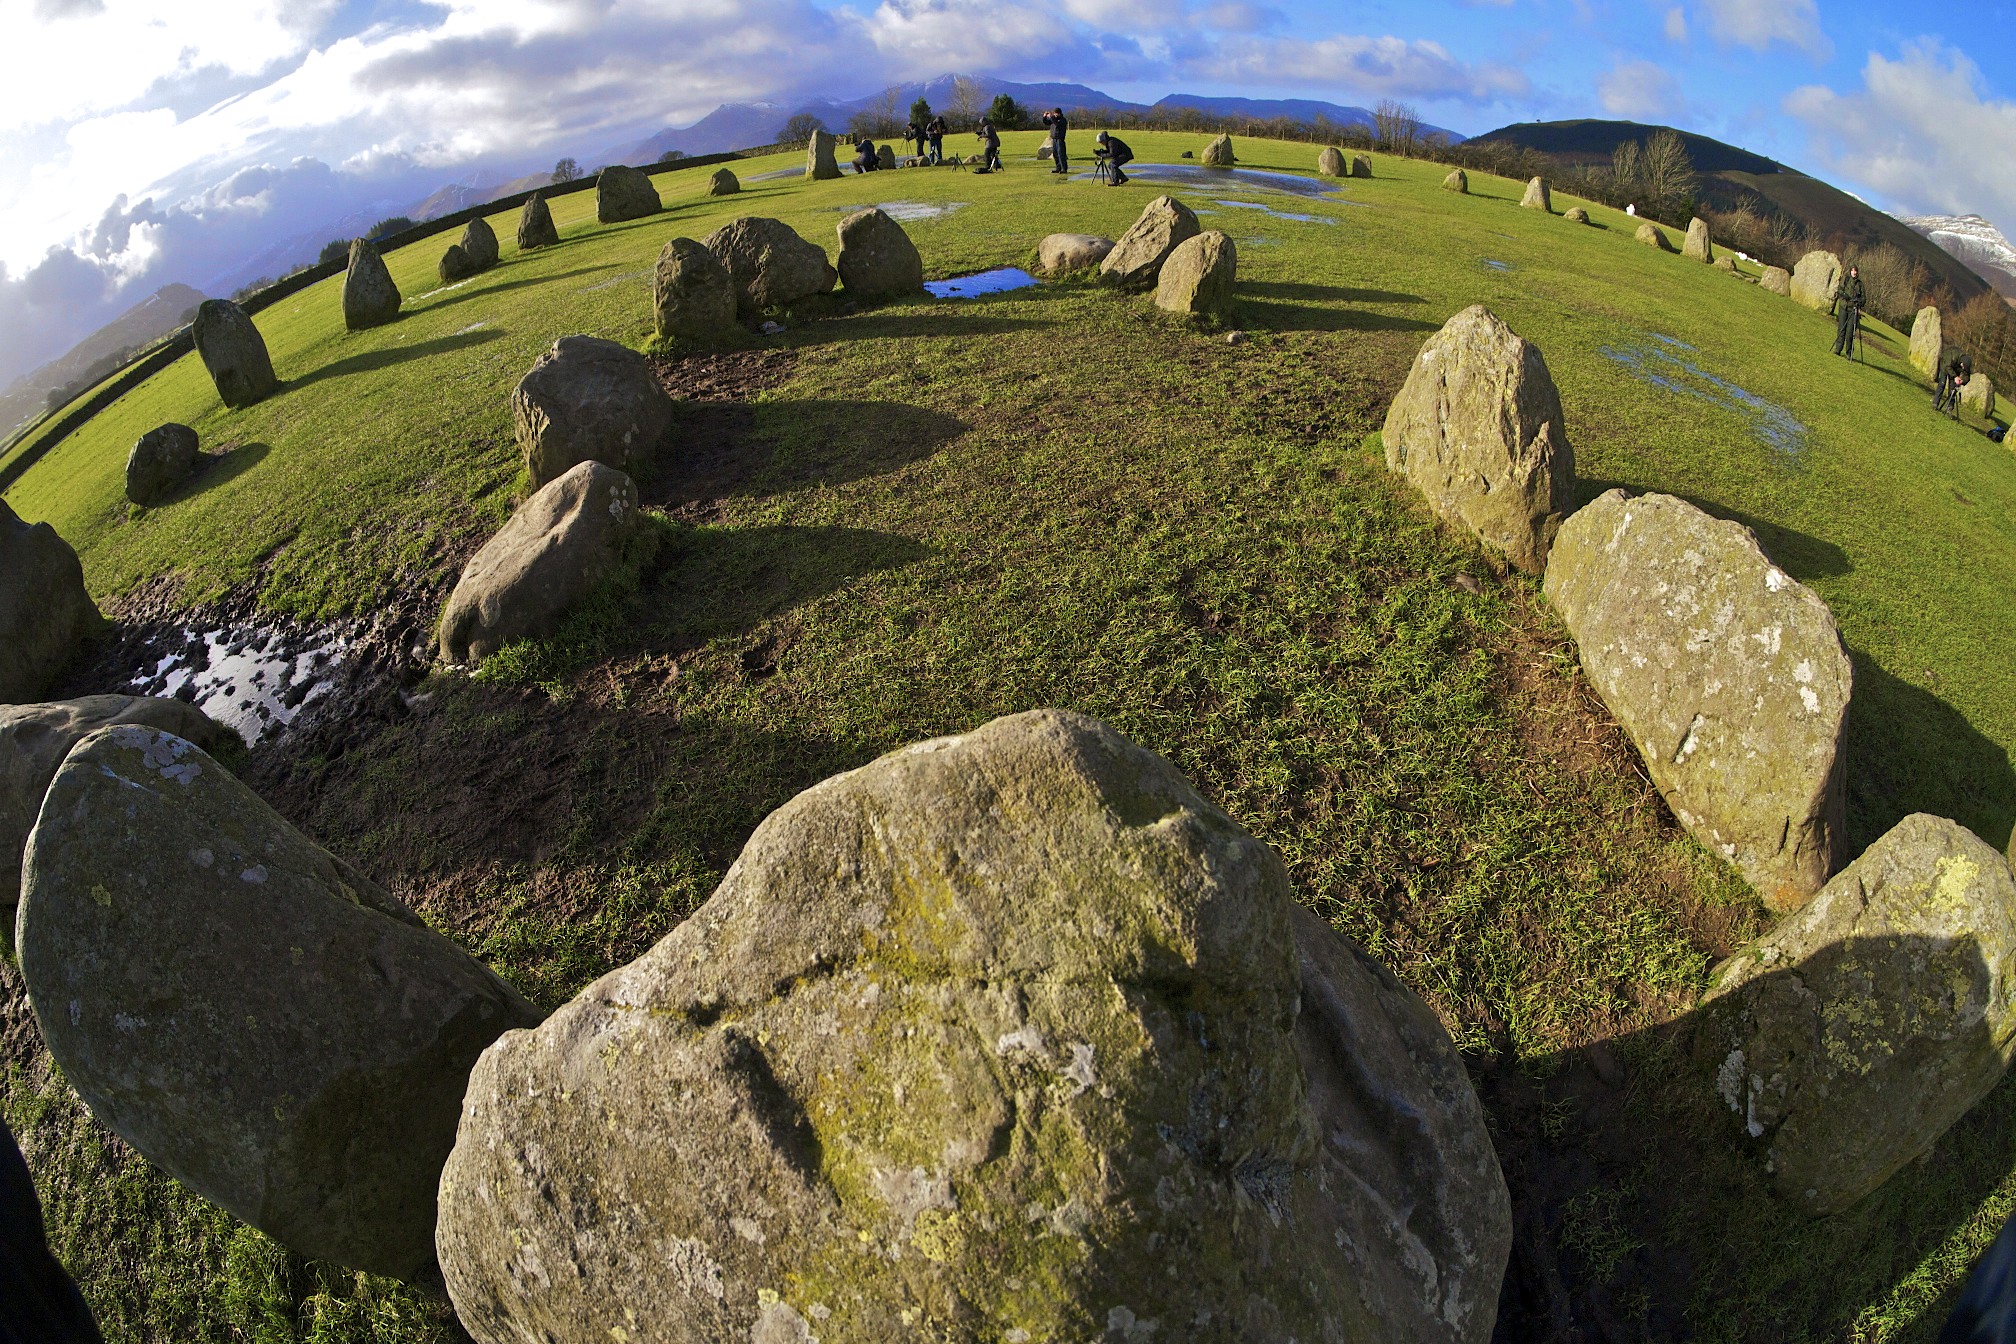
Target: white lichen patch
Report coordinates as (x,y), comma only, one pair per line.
(1729,1081)
(1079,1071)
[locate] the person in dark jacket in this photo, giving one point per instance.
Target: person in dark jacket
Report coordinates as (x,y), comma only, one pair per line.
(935,130)
(1986,1311)
(1954,371)
(914,134)
(38,1302)
(1054,119)
(1849,296)
(990,155)
(866,160)
(1118,152)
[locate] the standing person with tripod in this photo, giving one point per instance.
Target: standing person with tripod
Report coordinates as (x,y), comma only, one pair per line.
(1054,119)
(1849,296)
(1954,371)
(990,158)
(934,130)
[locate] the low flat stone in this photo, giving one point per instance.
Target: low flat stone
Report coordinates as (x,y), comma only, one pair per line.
(623,194)
(1062,252)
(1136,260)
(877,258)
(588,400)
(161,460)
(233,353)
(1575,214)
(370,298)
(45,611)
(535,224)
(1198,278)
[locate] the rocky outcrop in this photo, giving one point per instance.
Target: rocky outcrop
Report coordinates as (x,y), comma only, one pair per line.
(723,183)
(257,1017)
(1928,342)
(161,460)
(692,293)
(1361,166)
(233,353)
(370,299)
(1777,280)
(35,738)
(1815,278)
(1654,237)
(456,265)
(772,266)
(535,225)
(1218,154)
(1458,181)
(1727,673)
(479,243)
(1198,278)
(877,259)
(1330,163)
(1019,998)
(1136,260)
(588,400)
(1062,252)
(1698,247)
(1538,196)
(820,165)
(623,194)
(44,610)
(1477,430)
(1852,1035)
(560,545)
(1575,214)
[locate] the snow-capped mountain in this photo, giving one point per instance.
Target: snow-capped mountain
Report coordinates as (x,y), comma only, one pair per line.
(1977,243)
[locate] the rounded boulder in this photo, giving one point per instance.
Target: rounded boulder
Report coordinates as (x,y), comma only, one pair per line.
(1136,260)
(877,258)
(723,183)
(624,194)
(588,400)
(1458,181)
(161,460)
(1653,237)
(1361,166)
(456,265)
(771,265)
(1059,253)
(1778,280)
(1330,163)
(1198,278)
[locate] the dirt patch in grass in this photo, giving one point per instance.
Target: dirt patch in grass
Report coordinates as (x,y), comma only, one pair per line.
(730,375)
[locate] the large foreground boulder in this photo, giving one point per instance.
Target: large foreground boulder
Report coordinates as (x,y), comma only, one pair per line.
(44,610)
(877,259)
(1059,253)
(559,546)
(1218,154)
(588,400)
(233,353)
(1777,280)
(1477,430)
(257,1017)
(770,264)
(624,194)
(692,293)
(820,165)
(161,459)
(1136,260)
(370,298)
(1653,237)
(1698,246)
(479,243)
(34,739)
(1330,163)
(1458,181)
(1727,673)
(1005,1036)
(1538,195)
(1852,1035)
(723,183)
(1815,278)
(1928,341)
(535,224)
(1198,278)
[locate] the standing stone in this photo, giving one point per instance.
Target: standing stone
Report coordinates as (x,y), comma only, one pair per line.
(559,546)
(1575,214)
(1852,1035)
(624,194)
(1061,252)
(44,609)
(692,293)
(1458,181)
(1778,280)
(1218,154)
(772,266)
(456,265)
(1698,247)
(370,299)
(1361,166)
(1978,394)
(588,400)
(1928,343)
(257,1017)
(1654,237)
(820,164)
(160,461)
(885,156)
(877,258)
(233,352)
(1727,673)
(1198,278)
(1330,163)
(1815,278)
(34,739)
(1136,260)
(535,224)
(1018,998)
(479,242)
(1477,430)
(723,183)
(1537,196)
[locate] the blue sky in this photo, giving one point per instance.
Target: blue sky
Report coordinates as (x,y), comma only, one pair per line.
(149,141)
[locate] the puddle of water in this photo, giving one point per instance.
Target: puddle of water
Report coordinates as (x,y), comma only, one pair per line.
(254,681)
(907,211)
(1655,364)
(1195,175)
(622,279)
(997,281)
(1271,212)
(1497,265)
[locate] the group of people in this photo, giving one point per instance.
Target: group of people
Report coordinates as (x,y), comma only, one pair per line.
(1948,378)
(929,138)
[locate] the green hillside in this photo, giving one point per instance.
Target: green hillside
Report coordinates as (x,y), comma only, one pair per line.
(910,519)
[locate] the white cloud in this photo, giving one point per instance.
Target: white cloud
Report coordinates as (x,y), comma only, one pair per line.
(1919,131)
(1641,91)
(1676,24)
(1364,66)
(1757,24)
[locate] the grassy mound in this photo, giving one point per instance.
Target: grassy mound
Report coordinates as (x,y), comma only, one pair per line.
(903,521)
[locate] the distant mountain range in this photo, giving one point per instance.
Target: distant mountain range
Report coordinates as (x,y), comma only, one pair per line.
(1975,241)
(97,354)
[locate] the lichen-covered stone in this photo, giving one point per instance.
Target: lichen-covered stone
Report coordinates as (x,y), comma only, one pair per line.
(1538,196)
(1218,154)
(1654,237)
(535,224)
(1815,278)
(35,738)
(1062,252)
(1852,1035)
(1697,247)
(723,183)
(877,258)
(559,546)
(233,353)
(1977,394)
(588,400)
(885,156)
(771,265)
(1198,278)
(692,293)
(1727,673)
(1575,214)
(258,1018)
(1361,166)
(1777,280)
(370,298)
(479,243)
(161,459)
(456,265)
(1458,181)
(1006,1036)
(1136,260)
(1928,341)
(1330,163)
(1477,430)
(45,611)
(820,165)
(623,194)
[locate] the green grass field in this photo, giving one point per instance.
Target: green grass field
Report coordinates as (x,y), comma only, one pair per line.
(942,512)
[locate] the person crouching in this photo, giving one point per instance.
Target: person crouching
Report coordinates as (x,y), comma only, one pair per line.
(1117,152)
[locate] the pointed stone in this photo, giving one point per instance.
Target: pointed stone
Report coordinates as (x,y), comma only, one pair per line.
(479,243)
(370,299)
(233,352)
(535,224)
(1136,260)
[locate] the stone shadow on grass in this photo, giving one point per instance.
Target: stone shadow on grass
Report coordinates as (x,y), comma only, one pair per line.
(1299,292)
(1804,557)
(1909,751)
(489,291)
(372,360)
(215,469)
(718,449)
(1280,306)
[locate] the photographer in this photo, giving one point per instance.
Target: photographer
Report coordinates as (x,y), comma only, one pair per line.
(1954,371)
(1849,296)
(1054,119)
(934,130)
(990,159)
(913,134)
(1117,152)
(866,160)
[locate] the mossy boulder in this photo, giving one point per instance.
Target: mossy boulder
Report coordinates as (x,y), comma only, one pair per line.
(1458,181)
(877,258)
(1136,260)
(479,243)
(1330,163)
(770,264)
(1697,246)
(1815,278)
(1218,154)
(1575,214)
(45,611)
(370,297)
(233,353)
(1852,1035)
(1005,1036)
(535,224)
(161,459)
(1928,342)
(692,294)
(1654,237)
(1727,673)
(588,400)
(1198,278)
(1977,394)
(1777,280)
(254,1015)
(623,194)
(1538,195)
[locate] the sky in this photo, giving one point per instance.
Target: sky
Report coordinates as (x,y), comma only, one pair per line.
(144,142)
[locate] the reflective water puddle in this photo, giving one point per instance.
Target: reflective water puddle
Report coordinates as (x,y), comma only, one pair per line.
(1658,365)
(1497,265)
(998,281)
(907,211)
(254,681)
(1272,213)
(1193,175)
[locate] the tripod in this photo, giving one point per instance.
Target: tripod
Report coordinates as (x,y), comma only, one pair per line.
(1102,166)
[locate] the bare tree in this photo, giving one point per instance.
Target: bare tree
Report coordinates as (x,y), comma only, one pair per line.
(798,130)
(1668,172)
(879,119)
(963,112)
(1396,127)
(566,170)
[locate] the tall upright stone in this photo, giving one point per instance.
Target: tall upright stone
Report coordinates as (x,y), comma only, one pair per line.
(370,298)
(1977,394)
(45,611)
(623,194)
(1136,260)
(885,156)
(1538,196)
(535,224)
(1698,247)
(1218,154)
(692,294)
(479,243)
(1330,163)
(1815,279)
(233,353)
(820,164)
(1199,277)
(1928,342)
(1477,429)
